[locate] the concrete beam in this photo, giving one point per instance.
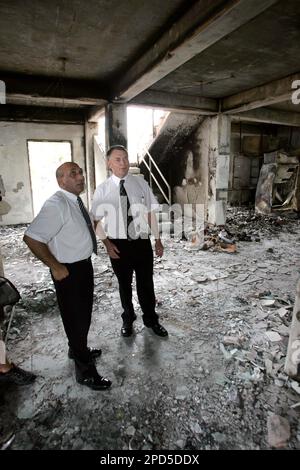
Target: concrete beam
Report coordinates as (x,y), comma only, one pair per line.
(95,113)
(35,100)
(270,116)
(41,114)
(200,27)
(1,265)
(90,131)
(44,91)
(176,102)
(277,91)
(247,128)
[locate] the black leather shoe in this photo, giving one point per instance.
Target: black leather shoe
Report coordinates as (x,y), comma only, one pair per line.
(95,382)
(159,330)
(126,331)
(6,440)
(17,376)
(93,352)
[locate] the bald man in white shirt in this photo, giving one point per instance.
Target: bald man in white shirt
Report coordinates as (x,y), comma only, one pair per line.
(127,206)
(61,237)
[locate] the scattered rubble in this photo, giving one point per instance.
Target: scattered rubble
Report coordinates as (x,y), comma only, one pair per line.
(214,384)
(244,224)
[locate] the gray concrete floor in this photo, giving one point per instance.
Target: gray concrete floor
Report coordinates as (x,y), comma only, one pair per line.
(190,391)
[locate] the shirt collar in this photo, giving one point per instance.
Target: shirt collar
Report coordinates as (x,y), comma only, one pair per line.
(69,195)
(117,180)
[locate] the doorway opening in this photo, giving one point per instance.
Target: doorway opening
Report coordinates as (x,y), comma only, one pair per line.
(44,158)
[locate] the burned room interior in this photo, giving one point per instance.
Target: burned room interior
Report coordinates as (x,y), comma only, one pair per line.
(222,161)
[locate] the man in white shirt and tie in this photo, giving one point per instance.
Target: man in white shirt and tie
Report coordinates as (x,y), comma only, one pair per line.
(61,237)
(127,205)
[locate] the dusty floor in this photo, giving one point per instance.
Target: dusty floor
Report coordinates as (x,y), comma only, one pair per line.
(195,390)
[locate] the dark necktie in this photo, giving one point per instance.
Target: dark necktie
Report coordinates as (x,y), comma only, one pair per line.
(125,206)
(88,222)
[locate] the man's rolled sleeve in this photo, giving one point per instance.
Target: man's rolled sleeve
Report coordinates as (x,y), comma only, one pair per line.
(151,201)
(46,224)
(97,210)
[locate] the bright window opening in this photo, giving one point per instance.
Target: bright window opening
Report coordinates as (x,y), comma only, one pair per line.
(44,158)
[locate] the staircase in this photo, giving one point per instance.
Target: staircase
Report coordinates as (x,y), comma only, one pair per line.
(163,216)
(163,196)
(162,192)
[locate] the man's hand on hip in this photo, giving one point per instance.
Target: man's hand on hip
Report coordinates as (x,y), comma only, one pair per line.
(60,272)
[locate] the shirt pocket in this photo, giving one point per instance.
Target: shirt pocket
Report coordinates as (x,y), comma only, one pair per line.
(138,199)
(137,206)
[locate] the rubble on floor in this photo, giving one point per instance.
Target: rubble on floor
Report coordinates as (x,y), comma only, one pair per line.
(217,382)
(243,224)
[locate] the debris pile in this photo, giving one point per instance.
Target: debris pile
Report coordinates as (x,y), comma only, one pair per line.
(246,225)
(218,381)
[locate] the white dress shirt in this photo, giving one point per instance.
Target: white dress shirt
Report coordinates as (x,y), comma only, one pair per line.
(106,204)
(61,225)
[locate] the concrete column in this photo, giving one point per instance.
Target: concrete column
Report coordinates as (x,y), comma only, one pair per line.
(292,363)
(1,265)
(2,344)
(101,169)
(90,130)
(116,125)
(218,168)
(2,212)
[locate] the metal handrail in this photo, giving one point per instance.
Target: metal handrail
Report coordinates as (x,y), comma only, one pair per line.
(168,199)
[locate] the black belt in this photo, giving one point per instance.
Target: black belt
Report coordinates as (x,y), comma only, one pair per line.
(80,261)
(128,239)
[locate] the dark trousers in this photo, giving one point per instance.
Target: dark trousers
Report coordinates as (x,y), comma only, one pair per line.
(75,301)
(135,256)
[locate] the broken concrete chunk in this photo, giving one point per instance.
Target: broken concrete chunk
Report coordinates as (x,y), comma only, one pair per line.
(282,312)
(235,340)
(273,336)
(296,405)
(228,355)
(283,330)
(295,386)
(278,431)
(274,351)
(130,431)
(250,355)
(262,325)
(180,443)
(219,437)
(267,302)
(279,383)
(196,428)
(199,279)
(268,366)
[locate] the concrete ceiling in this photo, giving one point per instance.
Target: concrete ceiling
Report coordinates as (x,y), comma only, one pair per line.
(97,38)
(263,50)
(201,56)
